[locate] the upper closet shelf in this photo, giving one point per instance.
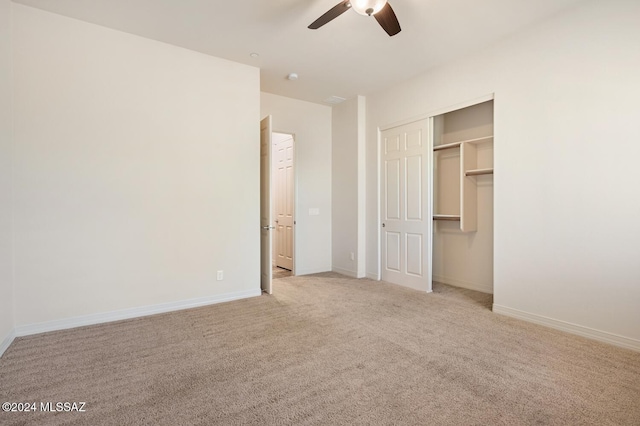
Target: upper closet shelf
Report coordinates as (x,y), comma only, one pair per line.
(457,144)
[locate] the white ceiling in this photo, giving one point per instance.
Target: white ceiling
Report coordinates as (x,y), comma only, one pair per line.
(349,56)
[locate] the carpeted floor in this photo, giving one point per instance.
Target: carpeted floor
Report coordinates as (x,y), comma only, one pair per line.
(327,350)
(280,273)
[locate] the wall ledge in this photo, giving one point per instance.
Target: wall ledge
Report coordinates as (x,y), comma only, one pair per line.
(602,336)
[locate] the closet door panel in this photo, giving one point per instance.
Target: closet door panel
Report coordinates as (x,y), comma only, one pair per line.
(406,222)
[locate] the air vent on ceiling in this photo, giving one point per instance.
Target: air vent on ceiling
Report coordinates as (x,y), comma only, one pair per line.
(333,100)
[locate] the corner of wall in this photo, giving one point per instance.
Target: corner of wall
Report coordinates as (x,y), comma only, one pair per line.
(7,341)
(361,260)
(7,280)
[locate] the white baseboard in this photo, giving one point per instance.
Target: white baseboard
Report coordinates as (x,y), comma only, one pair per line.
(352,274)
(463,284)
(312,271)
(25,330)
(6,342)
(580,330)
(372,276)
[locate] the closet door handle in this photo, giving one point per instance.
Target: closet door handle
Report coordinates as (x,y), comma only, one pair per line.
(383,225)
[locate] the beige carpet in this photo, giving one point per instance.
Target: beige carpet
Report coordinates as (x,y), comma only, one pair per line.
(280,273)
(327,350)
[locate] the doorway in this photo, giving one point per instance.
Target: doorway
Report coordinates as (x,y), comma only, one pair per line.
(463,197)
(283,203)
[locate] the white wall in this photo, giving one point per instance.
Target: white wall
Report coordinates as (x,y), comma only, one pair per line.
(344,189)
(566,154)
(136,172)
(6,281)
(311,126)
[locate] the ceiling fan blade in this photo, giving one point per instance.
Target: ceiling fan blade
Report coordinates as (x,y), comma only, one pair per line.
(387,20)
(332,14)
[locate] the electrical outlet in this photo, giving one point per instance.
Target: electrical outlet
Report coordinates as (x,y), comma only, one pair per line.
(220,275)
(352,256)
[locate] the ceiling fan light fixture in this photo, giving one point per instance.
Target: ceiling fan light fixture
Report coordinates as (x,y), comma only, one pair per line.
(367,7)
(380,9)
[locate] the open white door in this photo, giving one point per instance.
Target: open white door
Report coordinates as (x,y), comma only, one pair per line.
(405,206)
(266,273)
(284,181)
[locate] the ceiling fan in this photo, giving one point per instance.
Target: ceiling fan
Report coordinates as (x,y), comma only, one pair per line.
(380,9)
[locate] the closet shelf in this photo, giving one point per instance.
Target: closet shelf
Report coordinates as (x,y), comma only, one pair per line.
(478,140)
(477,172)
(457,144)
(451,217)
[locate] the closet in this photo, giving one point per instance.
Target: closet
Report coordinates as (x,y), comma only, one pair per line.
(463,197)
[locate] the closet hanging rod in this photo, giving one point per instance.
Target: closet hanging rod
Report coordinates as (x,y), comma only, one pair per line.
(450,217)
(478,172)
(447,146)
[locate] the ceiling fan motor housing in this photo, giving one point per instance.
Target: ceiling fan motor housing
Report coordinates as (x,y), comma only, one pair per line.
(368,7)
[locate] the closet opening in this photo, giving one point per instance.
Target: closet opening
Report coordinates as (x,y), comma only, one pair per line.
(462,242)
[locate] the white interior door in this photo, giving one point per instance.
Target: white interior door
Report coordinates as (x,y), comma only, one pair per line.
(284,223)
(405,206)
(266,273)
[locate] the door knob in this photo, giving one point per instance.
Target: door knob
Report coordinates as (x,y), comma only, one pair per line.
(383,225)
(266,228)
